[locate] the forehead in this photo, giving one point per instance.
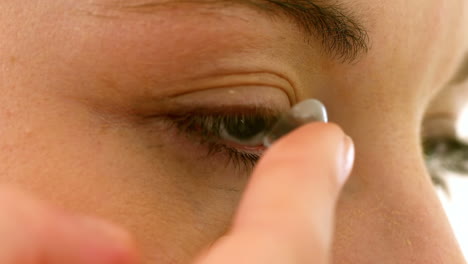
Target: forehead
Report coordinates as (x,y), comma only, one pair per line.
(340,31)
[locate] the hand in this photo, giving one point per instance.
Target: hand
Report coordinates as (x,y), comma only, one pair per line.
(32,232)
(287,213)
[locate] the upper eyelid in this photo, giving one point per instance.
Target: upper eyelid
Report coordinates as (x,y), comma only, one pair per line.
(228,110)
(231,79)
(462,73)
(439,124)
(216,117)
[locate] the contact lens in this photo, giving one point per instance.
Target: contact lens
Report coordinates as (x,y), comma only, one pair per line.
(307,111)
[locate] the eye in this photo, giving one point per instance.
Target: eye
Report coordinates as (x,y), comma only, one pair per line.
(445,154)
(245,130)
(236,133)
(438,136)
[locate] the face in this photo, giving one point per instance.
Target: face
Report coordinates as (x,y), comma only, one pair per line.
(131,110)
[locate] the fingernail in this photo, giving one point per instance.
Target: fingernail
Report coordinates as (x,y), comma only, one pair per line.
(307,111)
(347,160)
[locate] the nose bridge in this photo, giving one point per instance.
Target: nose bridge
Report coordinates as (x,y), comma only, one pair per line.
(393,219)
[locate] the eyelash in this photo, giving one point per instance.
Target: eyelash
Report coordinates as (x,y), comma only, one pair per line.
(445,154)
(442,154)
(206,127)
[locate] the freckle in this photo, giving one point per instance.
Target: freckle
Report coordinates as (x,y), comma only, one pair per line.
(13,60)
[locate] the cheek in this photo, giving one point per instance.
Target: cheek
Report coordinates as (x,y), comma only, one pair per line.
(125,174)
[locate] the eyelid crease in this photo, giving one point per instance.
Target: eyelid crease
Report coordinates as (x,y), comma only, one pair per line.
(240,79)
(262,77)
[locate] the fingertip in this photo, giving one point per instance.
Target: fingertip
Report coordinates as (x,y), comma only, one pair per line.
(105,242)
(348,160)
(287,212)
(319,147)
(306,133)
(304,169)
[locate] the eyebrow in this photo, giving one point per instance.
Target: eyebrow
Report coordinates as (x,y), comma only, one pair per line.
(341,35)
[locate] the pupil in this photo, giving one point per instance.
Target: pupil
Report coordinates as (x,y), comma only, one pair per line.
(246,128)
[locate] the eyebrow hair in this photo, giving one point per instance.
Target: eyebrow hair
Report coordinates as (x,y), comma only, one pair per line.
(341,35)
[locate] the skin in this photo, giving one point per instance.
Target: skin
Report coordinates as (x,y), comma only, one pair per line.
(297,226)
(81,82)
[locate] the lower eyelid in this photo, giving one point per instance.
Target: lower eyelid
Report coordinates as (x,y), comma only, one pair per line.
(252,149)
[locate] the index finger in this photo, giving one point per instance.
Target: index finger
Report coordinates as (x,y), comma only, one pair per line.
(286,215)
